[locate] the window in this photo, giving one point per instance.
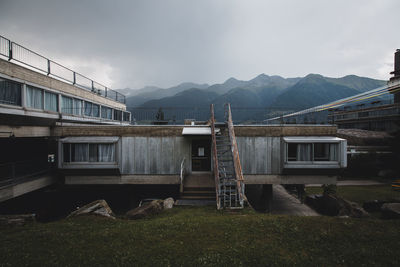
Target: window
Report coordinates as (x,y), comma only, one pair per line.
(106,113)
(10,92)
(117,115)
(309,152)
(314,152)
(95,110)
(88,152)
(66,105)
(77,107)
(34,97)
(88,109)
(50,101)
(126,116)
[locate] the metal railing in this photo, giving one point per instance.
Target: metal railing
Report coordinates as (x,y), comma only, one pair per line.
(215,158)
(182,175)
(27,57)
(19,171)
(235,154)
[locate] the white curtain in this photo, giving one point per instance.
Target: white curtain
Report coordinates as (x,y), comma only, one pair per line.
(77,107)
(80,153)
(333,152)
(66,104)
(88,108)
(106,113)
(106,152)
(50,101)
(34,97)
(304,152)
(95,110)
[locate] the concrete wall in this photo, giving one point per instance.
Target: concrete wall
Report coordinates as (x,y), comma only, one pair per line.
(32,77)
(176,130)
(260,155)
(154,155)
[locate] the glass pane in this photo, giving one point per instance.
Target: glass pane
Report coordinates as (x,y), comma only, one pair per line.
(292,152)
(34,97)
(50,101)
(10,93)
(88,108)
(66,152)
(117,115)
(106,152)
(66,105)
(333,152)
(106,113)
(96,110)
(321,152)
(77,107)
(79,153)
(304,152)
(93,154)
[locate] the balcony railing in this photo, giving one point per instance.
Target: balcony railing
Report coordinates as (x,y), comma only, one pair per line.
(24,56)
(20,171)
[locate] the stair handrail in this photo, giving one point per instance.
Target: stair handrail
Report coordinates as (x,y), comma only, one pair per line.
(235,154)
(215,158)
(182,174)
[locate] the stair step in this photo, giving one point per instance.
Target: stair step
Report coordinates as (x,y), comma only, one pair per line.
(194,193)
(199,197)
(199,189)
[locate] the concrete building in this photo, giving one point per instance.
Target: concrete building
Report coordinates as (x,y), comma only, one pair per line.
(56,129)
(36,95)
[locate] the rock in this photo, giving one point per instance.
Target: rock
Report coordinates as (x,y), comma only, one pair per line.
(98,207)
(373,206)
(330,205)
(152,208)
(333,205)
(351,209)
(314,201)
(168,203)
(20,219)
(391,210)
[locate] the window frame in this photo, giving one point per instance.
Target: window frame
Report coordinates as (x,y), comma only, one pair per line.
(341,161)
(89,164)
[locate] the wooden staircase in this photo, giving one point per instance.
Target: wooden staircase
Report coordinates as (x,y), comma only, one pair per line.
(228,175)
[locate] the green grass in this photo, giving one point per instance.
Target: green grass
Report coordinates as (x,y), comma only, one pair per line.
(203,236)
(361,194)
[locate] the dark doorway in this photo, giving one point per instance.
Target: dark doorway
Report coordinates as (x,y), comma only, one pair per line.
(201,155)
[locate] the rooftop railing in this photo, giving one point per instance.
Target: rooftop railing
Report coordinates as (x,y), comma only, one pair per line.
(29,58)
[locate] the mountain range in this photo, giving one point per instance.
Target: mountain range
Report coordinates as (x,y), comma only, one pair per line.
(273,93)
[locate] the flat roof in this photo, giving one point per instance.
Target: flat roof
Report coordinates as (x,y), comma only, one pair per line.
(313,139)
(195,130)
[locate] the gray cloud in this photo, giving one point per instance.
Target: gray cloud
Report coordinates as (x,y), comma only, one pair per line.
(163,43)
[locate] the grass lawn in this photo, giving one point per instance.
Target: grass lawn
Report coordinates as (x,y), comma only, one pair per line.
(203,236)
(361,194)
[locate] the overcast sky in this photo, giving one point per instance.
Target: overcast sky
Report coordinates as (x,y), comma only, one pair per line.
(166,42)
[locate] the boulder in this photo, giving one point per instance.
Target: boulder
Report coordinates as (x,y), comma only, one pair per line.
(98,207)
(314,201)
(351,209)
(373,206)
(168,203)
(332,205)
(20,219)
(391,210)
(152,208)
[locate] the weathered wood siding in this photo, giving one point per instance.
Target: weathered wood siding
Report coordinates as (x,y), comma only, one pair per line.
(154,155)
(260,155)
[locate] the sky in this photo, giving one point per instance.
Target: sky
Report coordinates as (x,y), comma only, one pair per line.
(163,43)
